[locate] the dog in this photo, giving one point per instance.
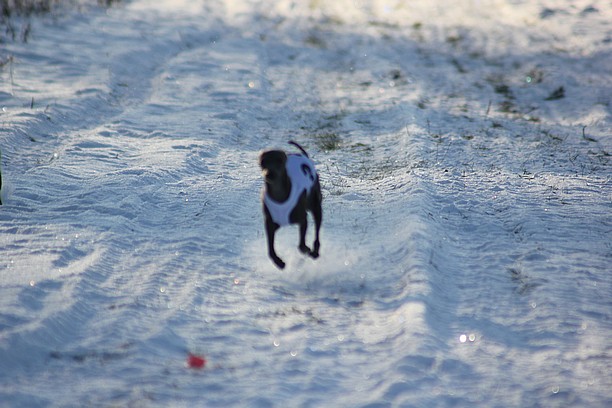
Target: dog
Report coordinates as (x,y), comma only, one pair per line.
(291,189)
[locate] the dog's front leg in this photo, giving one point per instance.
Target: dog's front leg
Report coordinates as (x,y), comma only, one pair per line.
(271,228)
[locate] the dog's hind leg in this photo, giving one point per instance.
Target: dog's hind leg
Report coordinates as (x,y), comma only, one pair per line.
(317,214)
(303,227)
(300,217)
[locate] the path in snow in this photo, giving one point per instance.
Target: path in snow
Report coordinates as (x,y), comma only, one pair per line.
(466,242)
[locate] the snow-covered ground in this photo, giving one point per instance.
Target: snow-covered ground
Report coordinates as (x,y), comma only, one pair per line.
(464,150)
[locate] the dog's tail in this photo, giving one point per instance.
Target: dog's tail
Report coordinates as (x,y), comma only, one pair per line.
(296,144)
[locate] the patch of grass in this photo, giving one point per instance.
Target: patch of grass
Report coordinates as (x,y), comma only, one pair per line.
(507,106)
(524,284)
(9,8)
(12,29)
(328,141)
(383,24)
(504,89)
(25,7)
(454,40)
(558,93)
(498,82)
(359,147)
(460,68)
(315,41)
(6,60)
(422,103)
(552,136)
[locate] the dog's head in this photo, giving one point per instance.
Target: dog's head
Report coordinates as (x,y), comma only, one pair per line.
(273,164)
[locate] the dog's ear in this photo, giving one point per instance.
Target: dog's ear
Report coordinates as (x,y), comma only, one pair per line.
(263,158)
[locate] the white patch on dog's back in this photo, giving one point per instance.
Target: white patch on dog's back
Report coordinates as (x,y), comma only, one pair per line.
(302,173)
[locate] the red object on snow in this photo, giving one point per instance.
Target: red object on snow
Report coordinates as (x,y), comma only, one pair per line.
(194,361)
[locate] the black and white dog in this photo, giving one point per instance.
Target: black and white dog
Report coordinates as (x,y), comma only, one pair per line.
(291,189)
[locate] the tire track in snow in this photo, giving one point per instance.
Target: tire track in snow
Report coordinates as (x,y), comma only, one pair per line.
(433,230)
(74,285)
(475,240)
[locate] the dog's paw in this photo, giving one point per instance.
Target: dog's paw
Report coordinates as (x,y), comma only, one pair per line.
(314,254)
(279,262)
(305,250)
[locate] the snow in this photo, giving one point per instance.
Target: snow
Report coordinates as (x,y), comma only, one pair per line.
(466,243)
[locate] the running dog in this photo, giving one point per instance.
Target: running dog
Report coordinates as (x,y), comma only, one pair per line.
(291,189)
